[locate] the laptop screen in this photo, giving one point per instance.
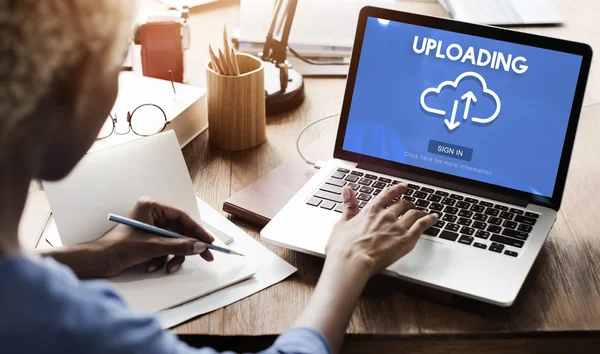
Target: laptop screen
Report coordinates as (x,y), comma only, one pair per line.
(473,107)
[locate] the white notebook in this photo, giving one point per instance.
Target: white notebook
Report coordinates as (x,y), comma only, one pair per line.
(111,181)
(504,12)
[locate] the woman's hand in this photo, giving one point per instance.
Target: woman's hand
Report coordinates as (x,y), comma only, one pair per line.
(124,247)
(361,244)
(383,232)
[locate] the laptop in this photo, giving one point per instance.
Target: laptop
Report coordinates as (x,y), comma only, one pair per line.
(478,121)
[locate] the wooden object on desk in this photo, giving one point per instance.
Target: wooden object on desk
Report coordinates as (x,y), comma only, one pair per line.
(236,105)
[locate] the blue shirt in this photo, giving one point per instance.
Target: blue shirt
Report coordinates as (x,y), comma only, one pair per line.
(45,308)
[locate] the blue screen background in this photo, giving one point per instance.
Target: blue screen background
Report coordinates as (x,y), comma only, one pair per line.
(521,148)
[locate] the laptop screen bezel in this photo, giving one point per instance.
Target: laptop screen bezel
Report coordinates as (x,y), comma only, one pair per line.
(584,50)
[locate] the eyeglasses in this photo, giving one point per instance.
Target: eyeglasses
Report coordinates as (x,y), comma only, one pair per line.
(146,120)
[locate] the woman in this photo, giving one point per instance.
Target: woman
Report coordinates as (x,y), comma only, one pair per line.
(59,64)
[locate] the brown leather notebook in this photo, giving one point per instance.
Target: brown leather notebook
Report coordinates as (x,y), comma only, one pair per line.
(260,201)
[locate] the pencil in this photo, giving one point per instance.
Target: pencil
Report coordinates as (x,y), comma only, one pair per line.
(224,64)
(236,66)
(226,45)
(164,233)
(217,65)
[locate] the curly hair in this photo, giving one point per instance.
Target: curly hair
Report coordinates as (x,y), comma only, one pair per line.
(41,40)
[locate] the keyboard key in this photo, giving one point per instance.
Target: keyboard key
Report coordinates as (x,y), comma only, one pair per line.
(410,199)
(451,210)
(450,218)
(314,201)
(516,234)
(525,220)
(480,245)
(331,189)
(501,207)
(434,198)
(327,205)
(492,212)
(413,186)
(482,234)
(510,224)
(511,253)
(362,204)
(409,192)
(507,241)
(421,209)
(506,215)
(495,221)
(338,175)
(494,229)
(525,228)
(479,225)
(436,207)
(379,185)
(420,195)
(385,180)
(422,203)
(496,247)
(532,215)
(442,193)
(486,204)
(447,235)
(477,208)
(463,205)
(370,176)
(432,231)
(471,200)
(343,170)
(427,190)
(480,217)
(452,227)
(466,240)
(440,224)
(449,201)
(364,197)
(366,189)
(467,230)
(365,181)
(357,173)
(465,213)
(464,222)
(456,196)
(516,211)
(339,208)
(329,196)
(376,192)
(354,186)
(352,178)
(336,182)
(396,182)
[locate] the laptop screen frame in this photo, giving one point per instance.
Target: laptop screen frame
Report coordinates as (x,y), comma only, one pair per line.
(483,188)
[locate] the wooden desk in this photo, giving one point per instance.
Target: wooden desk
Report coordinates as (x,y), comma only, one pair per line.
(558,309)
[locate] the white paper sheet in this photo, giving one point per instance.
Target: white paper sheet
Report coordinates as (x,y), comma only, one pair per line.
(153,292)
(269,270)
(113,180)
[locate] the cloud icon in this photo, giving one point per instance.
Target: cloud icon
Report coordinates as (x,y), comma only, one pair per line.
(454,84)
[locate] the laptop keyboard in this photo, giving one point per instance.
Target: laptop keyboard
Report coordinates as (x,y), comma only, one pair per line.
(466,220)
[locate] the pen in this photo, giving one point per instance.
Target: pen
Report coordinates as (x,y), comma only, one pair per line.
(164,233)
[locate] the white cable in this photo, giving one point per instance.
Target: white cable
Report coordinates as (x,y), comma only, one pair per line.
(310,162)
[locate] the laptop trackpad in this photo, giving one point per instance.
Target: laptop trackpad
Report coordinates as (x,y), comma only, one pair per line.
(428,257)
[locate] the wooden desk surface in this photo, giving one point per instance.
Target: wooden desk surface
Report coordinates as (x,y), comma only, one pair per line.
(560,298)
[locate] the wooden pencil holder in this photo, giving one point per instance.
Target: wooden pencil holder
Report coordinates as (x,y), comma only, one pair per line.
(236,105)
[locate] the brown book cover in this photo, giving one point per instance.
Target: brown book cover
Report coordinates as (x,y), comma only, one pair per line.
(262,200)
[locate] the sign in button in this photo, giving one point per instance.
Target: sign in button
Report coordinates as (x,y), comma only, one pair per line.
(450,150)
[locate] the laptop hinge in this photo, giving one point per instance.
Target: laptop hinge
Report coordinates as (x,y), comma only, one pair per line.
(516,198)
